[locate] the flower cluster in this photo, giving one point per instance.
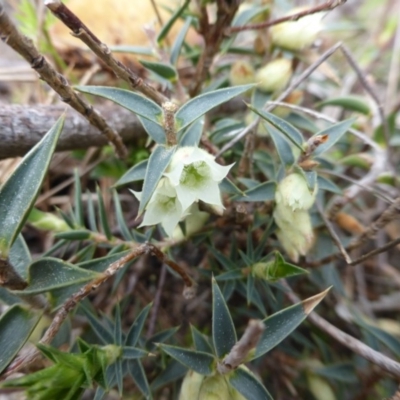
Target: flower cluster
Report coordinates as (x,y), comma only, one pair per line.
(192,175)
(293,200)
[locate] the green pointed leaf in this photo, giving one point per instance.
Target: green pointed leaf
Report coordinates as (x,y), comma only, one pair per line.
(203,363)
(125,232)
(334,132)
(99,328)
(138,374)
(276,269)
(282,146)
(290,132)
(51,273)
(328,185)
(20,257)
(173,371)
(78,205)
(281,324)
(154,130)
(263,192)
(176,48)
(103,214)
(248,385)
(223,330)
(164,70)
(160,337)
(134,102)
(79,234)
(130,353)
(198,106)
(351,103)
(193,133)
(137,327)
(134,174)
(167,27)
(18,194)
(16,325)
(158,163)
(200,341)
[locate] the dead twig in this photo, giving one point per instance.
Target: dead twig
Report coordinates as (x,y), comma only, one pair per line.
(82,32)
(329,5)
(25,47)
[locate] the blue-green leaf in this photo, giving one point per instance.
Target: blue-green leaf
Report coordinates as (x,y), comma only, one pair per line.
(16,325)
(158,162)
(51,273)
(130,353)
(167,27)
(200,341)
(134,174)
(198,106)
(291,133)
(192,135)
(154,130)
(176,48)
(134,102)
(281,324)
(171,373)
(18,194)
(282,146)
(334,132)
(327,184)
(137,326)
(263,192)
(198,361)
(20,257)
(138,374)
(248,385)
(223,330)
(351,103)
(164,70)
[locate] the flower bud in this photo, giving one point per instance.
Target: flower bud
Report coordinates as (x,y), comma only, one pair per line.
(294,193)
(191,385)
(47,221)
(297,35)
(274,76)
(242,73)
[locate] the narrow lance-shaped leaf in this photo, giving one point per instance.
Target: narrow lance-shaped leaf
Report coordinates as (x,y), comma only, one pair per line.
(134,174)
(193,134)
(16,325)
(334,132)
(131,101)
(167,27)
(281,324)
(198,106)
(203,363)
(223,330)
(136,328)
(290,132)
(138,374)
(51,273)
(248,385)
(352,103)
(263,192)
(176,48)
(282,146)
(158,162)
(19,193)
(164,70)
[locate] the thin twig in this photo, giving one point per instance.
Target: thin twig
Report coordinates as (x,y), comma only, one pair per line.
(73,301)
(242,348)
(333,234)
(25,47)
(386,363)
(82,32)
(329,5)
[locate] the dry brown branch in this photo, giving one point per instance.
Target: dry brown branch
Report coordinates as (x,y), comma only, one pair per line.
(25,47)
(82,32)
(77,297)
(21,127)
(329,5)
(213,35)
